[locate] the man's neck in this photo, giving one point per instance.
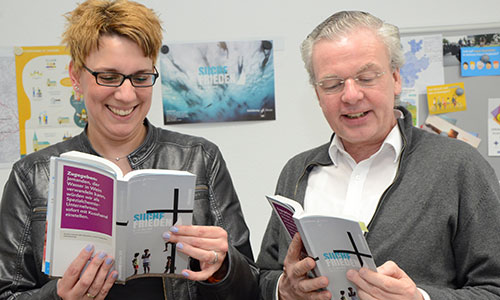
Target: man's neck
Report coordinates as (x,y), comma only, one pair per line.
(360,152)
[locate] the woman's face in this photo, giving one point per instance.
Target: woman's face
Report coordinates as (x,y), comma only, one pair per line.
(114,113)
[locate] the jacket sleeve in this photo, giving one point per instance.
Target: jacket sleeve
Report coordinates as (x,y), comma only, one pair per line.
(241,280)
(271,256)
(274,247)
(22,226)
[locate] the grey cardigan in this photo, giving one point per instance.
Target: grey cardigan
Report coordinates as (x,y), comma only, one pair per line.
(23,210)
(439,220)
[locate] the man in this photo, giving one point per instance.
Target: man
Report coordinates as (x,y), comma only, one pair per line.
(430,202)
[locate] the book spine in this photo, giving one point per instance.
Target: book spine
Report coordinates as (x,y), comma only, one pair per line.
(121,229)
(49,224)
(303,235)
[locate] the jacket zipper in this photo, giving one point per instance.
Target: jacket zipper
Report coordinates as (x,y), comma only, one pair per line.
(39,209)
(384,194)
(308,167)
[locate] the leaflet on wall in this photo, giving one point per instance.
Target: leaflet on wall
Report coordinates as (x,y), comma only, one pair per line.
(423,61)
(446,98)
(493,118)
(9,122)
(440,126)
(217,81)
(48,109)
(480,61)
(409,99)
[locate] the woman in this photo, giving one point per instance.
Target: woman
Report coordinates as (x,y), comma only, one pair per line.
(113,46)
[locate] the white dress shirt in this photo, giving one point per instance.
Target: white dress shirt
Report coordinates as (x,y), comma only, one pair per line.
(349,190)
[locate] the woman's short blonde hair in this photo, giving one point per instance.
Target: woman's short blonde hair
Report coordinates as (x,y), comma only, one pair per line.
(95,18)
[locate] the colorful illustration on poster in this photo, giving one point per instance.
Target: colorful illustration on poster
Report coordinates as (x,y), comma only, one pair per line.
(409,99)
(217,81)
(48,109)
(480,61)
(446,98)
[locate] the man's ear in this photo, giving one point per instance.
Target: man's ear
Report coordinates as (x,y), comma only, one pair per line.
(396,75)
(316,91)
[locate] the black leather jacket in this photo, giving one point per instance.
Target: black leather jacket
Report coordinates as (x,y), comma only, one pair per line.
(23,213)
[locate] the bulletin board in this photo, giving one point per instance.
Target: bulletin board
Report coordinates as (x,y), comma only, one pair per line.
(478,89)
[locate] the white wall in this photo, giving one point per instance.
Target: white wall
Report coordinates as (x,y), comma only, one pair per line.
(254,151)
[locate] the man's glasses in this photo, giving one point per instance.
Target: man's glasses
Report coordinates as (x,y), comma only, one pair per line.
(334,85)
(115,79)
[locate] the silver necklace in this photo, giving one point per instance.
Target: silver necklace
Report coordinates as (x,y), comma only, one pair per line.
(118,158)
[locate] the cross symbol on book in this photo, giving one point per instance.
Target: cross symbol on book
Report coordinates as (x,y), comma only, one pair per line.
(355,252)
(175,211)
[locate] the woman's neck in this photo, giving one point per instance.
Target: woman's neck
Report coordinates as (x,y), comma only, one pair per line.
(117,150)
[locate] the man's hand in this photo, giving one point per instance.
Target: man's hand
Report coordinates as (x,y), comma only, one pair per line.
(391,282)
(294,283)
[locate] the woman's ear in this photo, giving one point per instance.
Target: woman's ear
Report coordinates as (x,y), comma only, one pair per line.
(74,75)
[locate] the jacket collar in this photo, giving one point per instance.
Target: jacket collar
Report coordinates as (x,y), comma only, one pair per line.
(404,122)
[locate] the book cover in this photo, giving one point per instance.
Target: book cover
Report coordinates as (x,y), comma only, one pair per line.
(90,202)
(336,244)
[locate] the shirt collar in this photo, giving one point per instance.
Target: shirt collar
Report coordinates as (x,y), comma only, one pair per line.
(393,140)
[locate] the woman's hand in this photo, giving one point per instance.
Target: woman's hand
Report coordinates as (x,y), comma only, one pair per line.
(207,244)
(88,277)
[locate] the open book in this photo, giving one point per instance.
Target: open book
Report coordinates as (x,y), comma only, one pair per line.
(336,244)
(91,202)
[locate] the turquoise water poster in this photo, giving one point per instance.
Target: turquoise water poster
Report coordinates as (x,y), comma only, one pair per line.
(217,81)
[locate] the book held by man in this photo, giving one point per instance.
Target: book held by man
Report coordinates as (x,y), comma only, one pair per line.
(336,244)
(91,202)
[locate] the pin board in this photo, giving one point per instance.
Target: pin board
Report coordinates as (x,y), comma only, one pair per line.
(478,89)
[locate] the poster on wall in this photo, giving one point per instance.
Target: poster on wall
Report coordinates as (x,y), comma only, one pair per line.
(423,61)
(446,98)
(480,61)
(48,110)
(217,81)
(409,99)
(441,126)
(9,118)
(452,46)
(493,117)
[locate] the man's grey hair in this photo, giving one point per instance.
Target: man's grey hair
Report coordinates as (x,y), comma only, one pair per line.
(341,24)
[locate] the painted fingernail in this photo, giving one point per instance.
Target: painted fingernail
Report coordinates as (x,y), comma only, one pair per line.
(109,260)
(174,229)
(89,248)
(102,255)
(166,235)
(115,275)
(185,274)
(180,245)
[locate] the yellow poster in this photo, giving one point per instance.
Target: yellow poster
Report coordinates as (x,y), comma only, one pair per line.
(446,98)
(48,110)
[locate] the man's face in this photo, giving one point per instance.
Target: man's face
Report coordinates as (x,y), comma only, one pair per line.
(361,113)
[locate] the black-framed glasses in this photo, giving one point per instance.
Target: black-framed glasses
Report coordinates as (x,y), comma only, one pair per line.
(334,85)
(115,79)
